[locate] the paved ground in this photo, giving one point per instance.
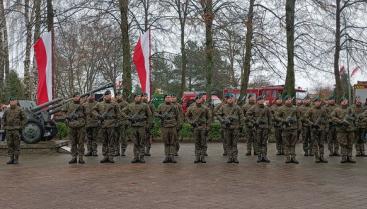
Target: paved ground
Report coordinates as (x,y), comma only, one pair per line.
(47,181)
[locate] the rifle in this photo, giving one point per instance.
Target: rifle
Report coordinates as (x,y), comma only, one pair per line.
(137,117)
(165,115)
(74,114)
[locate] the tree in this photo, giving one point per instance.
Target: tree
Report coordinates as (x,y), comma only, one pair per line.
(290,78)
(4,48)
(28,19)
(14,86)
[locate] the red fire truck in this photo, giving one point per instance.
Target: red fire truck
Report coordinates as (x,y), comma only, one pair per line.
(188,98)
(270,92)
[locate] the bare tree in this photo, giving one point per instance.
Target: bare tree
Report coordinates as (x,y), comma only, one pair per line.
(28,19)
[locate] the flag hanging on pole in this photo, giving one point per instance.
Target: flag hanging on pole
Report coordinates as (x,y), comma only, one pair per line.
(342,70)
(43,54)
(355,70)
(141,59)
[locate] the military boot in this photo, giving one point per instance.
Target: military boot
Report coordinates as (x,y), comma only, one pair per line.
(336,152)
(11,160)
(197,159)
(259,159)
(135,160)
(123,152)
(104,160)
(141,159)
(147,152)
(166,160)
(235,160)
(293,160)
(88,154)
(81,161)
(173,159)
(344,159)
(288,160)
(306,154)
(265,159)
(350,159)
(73,160)
(16,159)
(230,160)
(317,158)
(279,152)
(202,159)
(322,159)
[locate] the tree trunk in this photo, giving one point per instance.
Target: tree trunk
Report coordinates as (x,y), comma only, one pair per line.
(2,56)
(209,45)
(28,19)
(248,45)
(126,57)
(37,34)
(338,86)
(183,60)
(290,78)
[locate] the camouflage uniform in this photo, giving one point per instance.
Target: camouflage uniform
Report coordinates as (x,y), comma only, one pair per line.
(181,114)
(317,118)
(231,118)
(138,113)
(121,131)
(170,120)
(260,116)
(361,124)
(76,119)
(109,113)
(92,126)
(289,117)
(13,121)
(332,141)
(306,131)
(250,131)
(344,118)
(149,129)
(198,116)
(225,147)
(277,130)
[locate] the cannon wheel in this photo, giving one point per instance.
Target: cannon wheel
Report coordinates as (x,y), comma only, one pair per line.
(32,132)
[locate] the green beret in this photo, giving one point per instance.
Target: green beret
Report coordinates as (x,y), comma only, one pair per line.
(228,95)
(317,98)
(12,98)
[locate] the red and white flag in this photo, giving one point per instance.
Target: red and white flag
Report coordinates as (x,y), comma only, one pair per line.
(43,54)
(141,59)
(342,70)
(355,70)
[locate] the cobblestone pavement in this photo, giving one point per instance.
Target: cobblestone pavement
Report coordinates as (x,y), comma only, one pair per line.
(48,182)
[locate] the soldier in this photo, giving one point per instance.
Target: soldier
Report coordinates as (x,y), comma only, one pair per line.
(76,120)
(199,118)
(288,115)
(181,114)
(139,114)
(108,113)
(344,118)
(278,127)
(317,118)
(261,117)
(13,122)
(306,129)
(249,128)
(361,124)
(121,129)
(225,147)
(170,120)
(150,125)
(92,125)
(230,116)
(333,144)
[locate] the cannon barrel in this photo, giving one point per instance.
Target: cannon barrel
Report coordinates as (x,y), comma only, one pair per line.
(42,106)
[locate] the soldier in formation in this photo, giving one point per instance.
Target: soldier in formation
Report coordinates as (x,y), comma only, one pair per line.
(332,141)
(92,126)
(120,143)
(199,118)
(278,126)
(249,128)
(179,108)
(150,125)
(361,125)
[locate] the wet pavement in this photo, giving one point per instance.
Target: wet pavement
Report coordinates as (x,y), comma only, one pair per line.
(44,181)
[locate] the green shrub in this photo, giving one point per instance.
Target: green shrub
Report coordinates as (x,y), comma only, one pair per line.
(62,130)
(214,133)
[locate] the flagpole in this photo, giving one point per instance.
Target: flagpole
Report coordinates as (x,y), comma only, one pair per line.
(150,64)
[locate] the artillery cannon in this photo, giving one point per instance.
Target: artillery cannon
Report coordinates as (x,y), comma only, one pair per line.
(40,125)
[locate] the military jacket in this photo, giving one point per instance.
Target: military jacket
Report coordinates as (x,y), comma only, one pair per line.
(14,118)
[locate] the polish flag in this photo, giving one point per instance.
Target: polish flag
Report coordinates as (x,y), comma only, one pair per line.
(43,54)
(141,59)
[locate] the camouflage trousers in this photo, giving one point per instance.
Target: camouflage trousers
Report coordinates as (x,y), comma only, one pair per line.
(318,138)
(279,139)
(76,137)
(148,135)
(120,142)
(13,141)
(345,140)
(251,140)
(200,141)
(169,137)
(307,140)
(290,141)
(262,136)
(92,133)
(231,137)
(225,147)
(360,140)
(138,136)
(333,144)
(108,137)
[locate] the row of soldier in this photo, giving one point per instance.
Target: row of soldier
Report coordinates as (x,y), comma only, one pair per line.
(339,125)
